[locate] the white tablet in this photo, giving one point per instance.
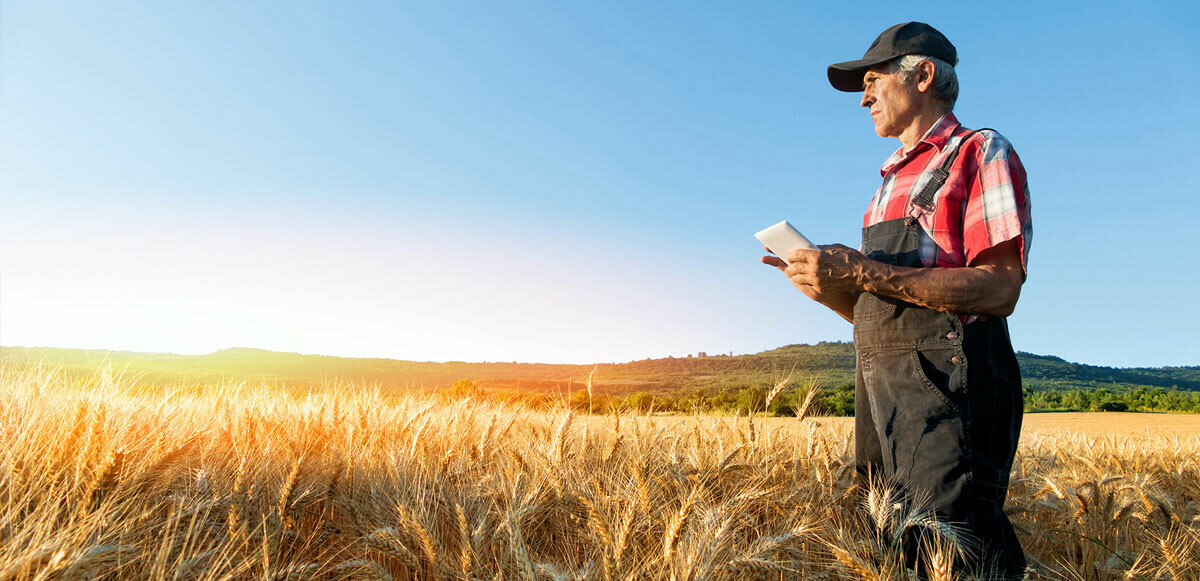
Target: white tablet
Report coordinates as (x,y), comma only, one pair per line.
(783,238)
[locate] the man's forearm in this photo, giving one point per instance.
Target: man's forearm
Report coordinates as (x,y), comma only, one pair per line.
(952,290)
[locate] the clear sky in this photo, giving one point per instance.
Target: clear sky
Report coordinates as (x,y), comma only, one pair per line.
(557,181)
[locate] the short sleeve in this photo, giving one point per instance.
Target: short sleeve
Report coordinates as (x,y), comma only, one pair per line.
(997,208)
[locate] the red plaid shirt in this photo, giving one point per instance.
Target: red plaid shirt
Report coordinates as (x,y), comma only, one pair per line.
(984,202)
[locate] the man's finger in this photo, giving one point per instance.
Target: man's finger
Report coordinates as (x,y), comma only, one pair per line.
(774,261)
(797,269)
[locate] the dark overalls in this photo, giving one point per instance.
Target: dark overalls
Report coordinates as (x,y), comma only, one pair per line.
(937,406)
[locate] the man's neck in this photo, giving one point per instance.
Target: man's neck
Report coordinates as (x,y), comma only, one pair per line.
(921,122)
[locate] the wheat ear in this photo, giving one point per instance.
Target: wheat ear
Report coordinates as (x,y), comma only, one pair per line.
(676,528)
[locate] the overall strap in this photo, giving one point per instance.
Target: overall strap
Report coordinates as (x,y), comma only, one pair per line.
(923,203)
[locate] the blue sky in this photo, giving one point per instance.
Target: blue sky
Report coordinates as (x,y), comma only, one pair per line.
(560,182)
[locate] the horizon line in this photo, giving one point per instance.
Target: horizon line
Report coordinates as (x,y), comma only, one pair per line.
(695,355)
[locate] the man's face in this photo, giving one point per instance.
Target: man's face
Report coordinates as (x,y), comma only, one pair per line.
(892,102)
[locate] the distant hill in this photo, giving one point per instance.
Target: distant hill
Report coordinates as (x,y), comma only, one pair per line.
(1049,372)
(828,363)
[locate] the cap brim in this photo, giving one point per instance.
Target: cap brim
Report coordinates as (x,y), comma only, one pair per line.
(848,76)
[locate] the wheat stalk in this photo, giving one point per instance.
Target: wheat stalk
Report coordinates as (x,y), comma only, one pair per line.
(560,439)
(385,541)
(809,398)
(675,528)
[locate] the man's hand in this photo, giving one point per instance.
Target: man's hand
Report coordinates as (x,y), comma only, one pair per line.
(828,276)
(832,269)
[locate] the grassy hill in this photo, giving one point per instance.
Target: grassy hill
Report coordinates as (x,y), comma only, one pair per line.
(827,363)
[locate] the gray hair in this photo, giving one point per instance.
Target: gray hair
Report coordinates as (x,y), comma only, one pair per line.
(945,80)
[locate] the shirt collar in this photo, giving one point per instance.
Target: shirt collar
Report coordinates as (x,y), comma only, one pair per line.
(937,136)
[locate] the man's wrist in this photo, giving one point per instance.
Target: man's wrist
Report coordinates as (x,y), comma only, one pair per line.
(868,275)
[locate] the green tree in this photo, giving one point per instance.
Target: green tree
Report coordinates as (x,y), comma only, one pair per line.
(463,389)
(601,404)
(579,401)
(752,398)
(723,401)
(785,404)
(838,400)
(640,401)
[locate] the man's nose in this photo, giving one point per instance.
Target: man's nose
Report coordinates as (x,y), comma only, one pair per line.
(867,99)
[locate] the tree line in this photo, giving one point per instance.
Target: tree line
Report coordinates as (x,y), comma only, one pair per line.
(835,400)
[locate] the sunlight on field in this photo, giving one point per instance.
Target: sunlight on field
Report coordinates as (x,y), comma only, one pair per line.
(1114,424)
(1152,426)
(100,481)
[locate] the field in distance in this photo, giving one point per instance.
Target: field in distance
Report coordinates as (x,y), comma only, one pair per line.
(102,479)
(1093,425)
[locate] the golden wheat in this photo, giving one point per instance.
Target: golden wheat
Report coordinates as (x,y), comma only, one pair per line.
(102,479)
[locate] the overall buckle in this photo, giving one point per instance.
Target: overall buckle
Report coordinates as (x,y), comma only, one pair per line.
(919,209)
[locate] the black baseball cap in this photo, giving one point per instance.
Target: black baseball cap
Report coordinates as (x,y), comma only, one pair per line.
(895,42)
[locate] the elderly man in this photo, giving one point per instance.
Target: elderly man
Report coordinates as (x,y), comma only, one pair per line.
(943,257)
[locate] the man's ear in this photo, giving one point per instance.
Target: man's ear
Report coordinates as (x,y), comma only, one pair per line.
(925,77)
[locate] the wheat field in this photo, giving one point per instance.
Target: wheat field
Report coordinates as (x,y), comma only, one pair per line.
(101,479)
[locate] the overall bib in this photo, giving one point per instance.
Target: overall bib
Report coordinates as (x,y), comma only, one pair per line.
(937,405)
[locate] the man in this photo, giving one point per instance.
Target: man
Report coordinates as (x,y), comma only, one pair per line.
(943,257)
